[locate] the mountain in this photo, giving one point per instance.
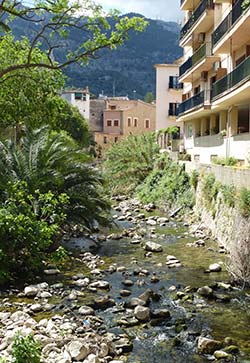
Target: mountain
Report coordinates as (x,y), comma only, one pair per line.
(128,70)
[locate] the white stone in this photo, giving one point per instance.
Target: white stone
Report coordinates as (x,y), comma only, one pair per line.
(31,291)
(86,310)
(153,247)
(215,267)
(78,350)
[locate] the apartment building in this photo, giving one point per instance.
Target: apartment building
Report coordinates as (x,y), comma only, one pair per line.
(79,98)
(123,117)
(168,97)
(215,106)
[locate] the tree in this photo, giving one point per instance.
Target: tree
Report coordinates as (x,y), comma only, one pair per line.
(54,21)
(130,161)
(51,161)
(149,97)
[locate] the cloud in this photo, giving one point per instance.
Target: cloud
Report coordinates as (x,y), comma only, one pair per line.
(161,9)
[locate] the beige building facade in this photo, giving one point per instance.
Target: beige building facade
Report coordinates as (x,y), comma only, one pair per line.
(168,97)
(215,106)
(122,118)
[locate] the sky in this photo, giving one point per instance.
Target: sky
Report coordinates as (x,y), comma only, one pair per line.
(155,9)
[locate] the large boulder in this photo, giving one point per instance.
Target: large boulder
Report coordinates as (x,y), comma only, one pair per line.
(31,291)
(153,247)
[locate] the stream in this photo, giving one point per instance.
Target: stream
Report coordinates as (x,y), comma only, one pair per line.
(222,314)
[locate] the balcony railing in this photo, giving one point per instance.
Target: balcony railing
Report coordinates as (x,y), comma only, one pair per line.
(201,53)
(174,83)
(228,22)
(203,6)
(190,103)
(239,74)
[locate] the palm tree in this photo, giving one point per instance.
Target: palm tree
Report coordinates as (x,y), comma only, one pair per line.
(51,161)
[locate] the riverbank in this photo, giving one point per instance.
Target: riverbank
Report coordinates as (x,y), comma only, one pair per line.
(153,291)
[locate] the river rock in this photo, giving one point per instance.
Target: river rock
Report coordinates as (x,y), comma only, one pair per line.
(136,301)
(78,349)
(36,308)
(92,358)
(142,313)
(128,283)
(162,220)
(86,310)
(153,247)
(208,346)
(125,293)
(215,267)
(205,291)
(82,282)
(52,271)
(220,354)
(161,314)
(100,285)
(103,302)
(31,291)
(124,344)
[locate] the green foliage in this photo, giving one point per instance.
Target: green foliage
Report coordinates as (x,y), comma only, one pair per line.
(149,97)
(226,161)
(229,195)
(25,98)
(194,178)
(245,4)
(26,350)
(51,161)
(245,202)
(60,256)
(130,162)
(210,188)
(28,225)
(168,185)
(184,157)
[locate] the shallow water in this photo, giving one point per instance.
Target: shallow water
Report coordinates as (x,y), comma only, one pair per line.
(175,340)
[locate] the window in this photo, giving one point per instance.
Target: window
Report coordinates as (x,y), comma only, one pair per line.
(113,107)
(172,109)
(135,121)
(116,122)
(129,121)
(109,123)
(147,124)
(105,140)
(116,139)
(78,96)
(189,130)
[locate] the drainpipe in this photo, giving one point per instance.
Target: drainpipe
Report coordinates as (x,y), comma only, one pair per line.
(228,132)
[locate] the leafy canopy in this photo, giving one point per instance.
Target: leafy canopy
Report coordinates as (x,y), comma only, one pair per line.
(54,21)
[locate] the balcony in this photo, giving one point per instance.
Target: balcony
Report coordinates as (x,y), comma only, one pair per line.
(197,14)
(174,83)
(235,79)
(188,4)
(201,61)
(233,31)
(191,103)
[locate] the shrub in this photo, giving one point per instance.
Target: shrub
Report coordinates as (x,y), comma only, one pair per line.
(130,162)
(194,178)
(245,202)
(26,350)
(229,194)
(210,188)
(167,185)
(225,161)
(28,226)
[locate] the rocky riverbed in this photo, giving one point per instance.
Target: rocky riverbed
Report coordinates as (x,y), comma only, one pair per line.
(151,290)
